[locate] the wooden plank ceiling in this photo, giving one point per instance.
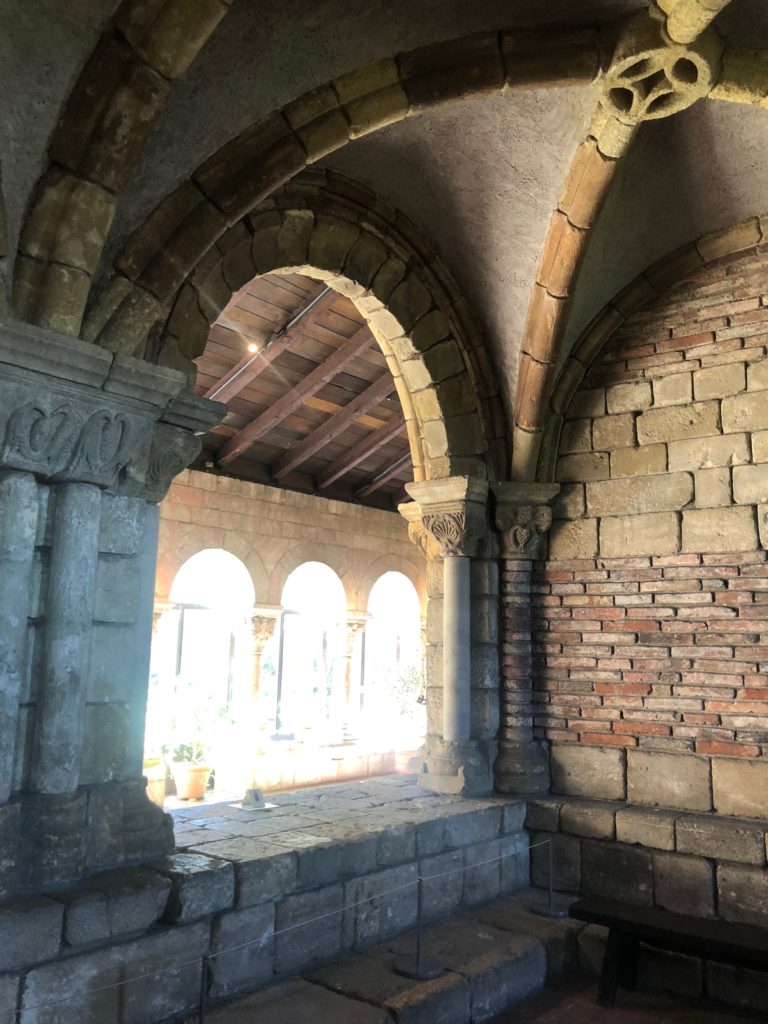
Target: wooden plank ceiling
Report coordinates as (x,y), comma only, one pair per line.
(312,405)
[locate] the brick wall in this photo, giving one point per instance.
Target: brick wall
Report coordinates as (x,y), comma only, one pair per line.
(651,615)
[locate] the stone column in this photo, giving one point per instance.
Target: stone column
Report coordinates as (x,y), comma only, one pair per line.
(18,527)
(89,443)
(448,520)
(354,626)
(522,517)
(60,712)
(263,623)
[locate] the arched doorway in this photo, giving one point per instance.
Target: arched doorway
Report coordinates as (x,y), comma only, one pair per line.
(392,697)
(201,664)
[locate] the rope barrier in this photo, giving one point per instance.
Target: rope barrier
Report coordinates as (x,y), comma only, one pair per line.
(206,958)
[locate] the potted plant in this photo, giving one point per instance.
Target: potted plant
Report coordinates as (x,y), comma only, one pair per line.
(189,756)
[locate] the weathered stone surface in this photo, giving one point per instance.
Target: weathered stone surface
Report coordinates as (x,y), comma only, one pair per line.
(732,839)
(593,772)
(443,883)
(648,458)
(372,97)
(719,381)
(544,813)
(654,533)
(628,397)
(742,893)
(722,529)
(685,885)
(200,885)
(584,466)
(736,986)
(616,871)
(299,944)
(30,931)
(745,412)
(513,816)
(750,484)
(96,986)
(372,978)
(263,870)
(576,436)
(379,905)
(136,898)
(297,1000)
(575,539)
(566,861)
(463,829)
(318,863)
(9,995)
(674,389)
(712,487)
(482,872)
(242,949)
(592,819)
(632,495)
(609,432)
(697,420)
(668,780)
(646,826)
(740,787)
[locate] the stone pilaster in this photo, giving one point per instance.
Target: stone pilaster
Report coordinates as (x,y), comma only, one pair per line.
(89,443)
(448,520)
(522,518)
(263,625)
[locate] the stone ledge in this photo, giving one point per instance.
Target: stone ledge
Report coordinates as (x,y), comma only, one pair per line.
(708,864)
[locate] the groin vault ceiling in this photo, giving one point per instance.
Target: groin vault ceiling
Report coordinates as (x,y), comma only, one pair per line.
(548,159)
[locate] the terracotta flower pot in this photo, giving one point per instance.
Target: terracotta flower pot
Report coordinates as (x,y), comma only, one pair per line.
(155,772)
(191,779)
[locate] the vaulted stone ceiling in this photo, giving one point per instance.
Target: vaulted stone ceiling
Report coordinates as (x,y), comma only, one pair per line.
(479,176)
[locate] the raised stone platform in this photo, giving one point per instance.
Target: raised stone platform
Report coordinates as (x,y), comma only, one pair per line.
(263,894)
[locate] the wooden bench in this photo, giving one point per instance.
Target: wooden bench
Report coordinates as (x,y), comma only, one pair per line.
(741,945)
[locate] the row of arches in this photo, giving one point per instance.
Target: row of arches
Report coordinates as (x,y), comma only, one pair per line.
(253,690)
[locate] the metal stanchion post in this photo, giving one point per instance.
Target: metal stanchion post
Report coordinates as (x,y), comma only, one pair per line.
(203,989)
(550,910)
(418,967)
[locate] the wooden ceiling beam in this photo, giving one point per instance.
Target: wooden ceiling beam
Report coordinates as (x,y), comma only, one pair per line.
(306,388)
(320,436)
(359,452)
(249,368)
(384,476)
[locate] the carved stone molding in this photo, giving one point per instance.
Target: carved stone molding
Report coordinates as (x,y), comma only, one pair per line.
(67,414)
(523,518)
(651,76)
(450,512)
(262,630)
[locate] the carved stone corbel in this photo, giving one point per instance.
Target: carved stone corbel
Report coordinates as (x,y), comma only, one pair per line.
(523,517)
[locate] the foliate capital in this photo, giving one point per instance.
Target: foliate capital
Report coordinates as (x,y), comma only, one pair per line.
(447,517)
(523,517)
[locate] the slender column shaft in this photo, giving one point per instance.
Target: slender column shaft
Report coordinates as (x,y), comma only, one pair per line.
(142,638)
(18,525)
(60,712)
(456,692)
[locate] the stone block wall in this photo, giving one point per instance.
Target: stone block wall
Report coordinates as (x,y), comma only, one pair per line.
(650,621)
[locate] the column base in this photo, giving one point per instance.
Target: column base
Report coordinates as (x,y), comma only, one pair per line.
(522,769)
(62,839)
(457,768)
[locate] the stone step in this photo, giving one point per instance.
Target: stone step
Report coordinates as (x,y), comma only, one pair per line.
(492,957)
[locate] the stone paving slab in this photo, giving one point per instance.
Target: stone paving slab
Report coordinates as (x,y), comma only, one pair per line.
(298,1002)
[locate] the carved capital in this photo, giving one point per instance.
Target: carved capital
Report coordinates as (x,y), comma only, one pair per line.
(447,517)
(523,517)
(354,626)
(262,631)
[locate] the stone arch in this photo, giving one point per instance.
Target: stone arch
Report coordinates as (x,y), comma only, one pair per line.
(326,226)
(107,118)
(676,266)
(393,563)
(173,557)
(308,552)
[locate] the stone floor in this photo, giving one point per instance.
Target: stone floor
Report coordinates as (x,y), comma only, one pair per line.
(576,1005)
